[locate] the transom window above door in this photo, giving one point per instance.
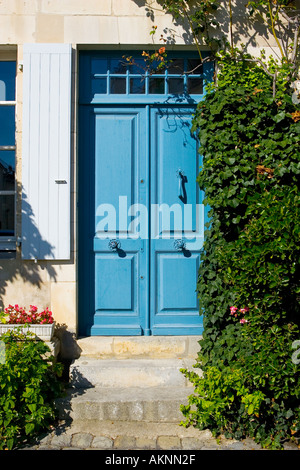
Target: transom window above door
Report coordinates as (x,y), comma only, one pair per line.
(7,153)
(131,77)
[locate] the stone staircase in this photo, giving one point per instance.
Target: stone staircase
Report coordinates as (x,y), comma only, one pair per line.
(125,394)
(132,379)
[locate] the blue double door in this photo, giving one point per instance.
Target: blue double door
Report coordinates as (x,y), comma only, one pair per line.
(141,221)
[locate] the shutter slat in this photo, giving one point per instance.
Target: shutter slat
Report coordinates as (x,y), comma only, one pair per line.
(46,151)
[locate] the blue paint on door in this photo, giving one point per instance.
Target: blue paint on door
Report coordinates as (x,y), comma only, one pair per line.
(140,220)
(120,262)
(175,248)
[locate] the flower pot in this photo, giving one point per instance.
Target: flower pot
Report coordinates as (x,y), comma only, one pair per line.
(43,332)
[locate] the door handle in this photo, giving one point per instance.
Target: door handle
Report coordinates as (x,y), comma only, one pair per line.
(179,245)
(180,175)
(181,188)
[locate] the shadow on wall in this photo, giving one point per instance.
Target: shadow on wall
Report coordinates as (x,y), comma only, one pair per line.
(13,267)
(27,271)
(248,31)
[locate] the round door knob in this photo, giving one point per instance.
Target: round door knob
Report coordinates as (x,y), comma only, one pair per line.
(114,245)
(179,245)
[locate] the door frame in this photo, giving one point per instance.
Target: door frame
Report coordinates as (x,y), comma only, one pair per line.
(87,104)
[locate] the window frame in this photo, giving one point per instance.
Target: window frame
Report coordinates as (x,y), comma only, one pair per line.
(8,242)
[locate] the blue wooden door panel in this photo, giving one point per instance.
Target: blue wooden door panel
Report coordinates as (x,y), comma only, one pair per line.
(177,236)
(115,265)
(120,287)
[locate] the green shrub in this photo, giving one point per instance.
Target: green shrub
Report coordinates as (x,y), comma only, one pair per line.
(223,402)
(28,386)
(257,395)
(250,175)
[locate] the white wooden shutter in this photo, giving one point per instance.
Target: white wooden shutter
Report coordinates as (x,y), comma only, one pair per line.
(46,143)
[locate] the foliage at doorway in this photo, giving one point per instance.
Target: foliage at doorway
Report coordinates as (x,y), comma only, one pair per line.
(29,384)
(248,282)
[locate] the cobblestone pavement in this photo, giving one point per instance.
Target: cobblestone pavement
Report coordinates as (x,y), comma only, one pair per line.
(169,437)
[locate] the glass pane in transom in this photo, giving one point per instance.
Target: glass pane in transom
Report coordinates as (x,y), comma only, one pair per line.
(176,66)
(194,66)
(118,86)
(156,86)
(137,85)
(137,66)
(118,66)
(176,85)
(98,66)
(99,86)
(195,86)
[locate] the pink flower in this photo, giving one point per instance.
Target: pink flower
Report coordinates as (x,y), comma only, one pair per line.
(19,315)
(243,320)
(233,310)
(244,310)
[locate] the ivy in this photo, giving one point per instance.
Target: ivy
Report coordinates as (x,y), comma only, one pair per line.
(249,140)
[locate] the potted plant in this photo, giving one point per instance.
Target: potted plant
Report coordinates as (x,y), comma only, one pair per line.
(40,323)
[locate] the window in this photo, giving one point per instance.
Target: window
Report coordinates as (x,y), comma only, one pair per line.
(114,75)
(7,151)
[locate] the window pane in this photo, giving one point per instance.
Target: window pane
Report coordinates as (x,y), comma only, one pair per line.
(195,86)
(7,80)
(118,66)
(118,85)
(7,125)
(138,66)
(7,215)
(157,67)
(194,66)
(137,86)
(99,66)
(176,66)
(99,86)
(176,85)
(7,171)
(157,86)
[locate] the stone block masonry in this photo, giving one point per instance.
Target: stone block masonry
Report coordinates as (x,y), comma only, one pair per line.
(130,436)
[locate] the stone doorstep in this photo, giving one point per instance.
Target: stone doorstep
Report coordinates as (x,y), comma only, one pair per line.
(139,346)
(113,429)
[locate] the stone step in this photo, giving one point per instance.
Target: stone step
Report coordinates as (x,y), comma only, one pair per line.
(126,347)
(155,436)
(120,373)
(135,404)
